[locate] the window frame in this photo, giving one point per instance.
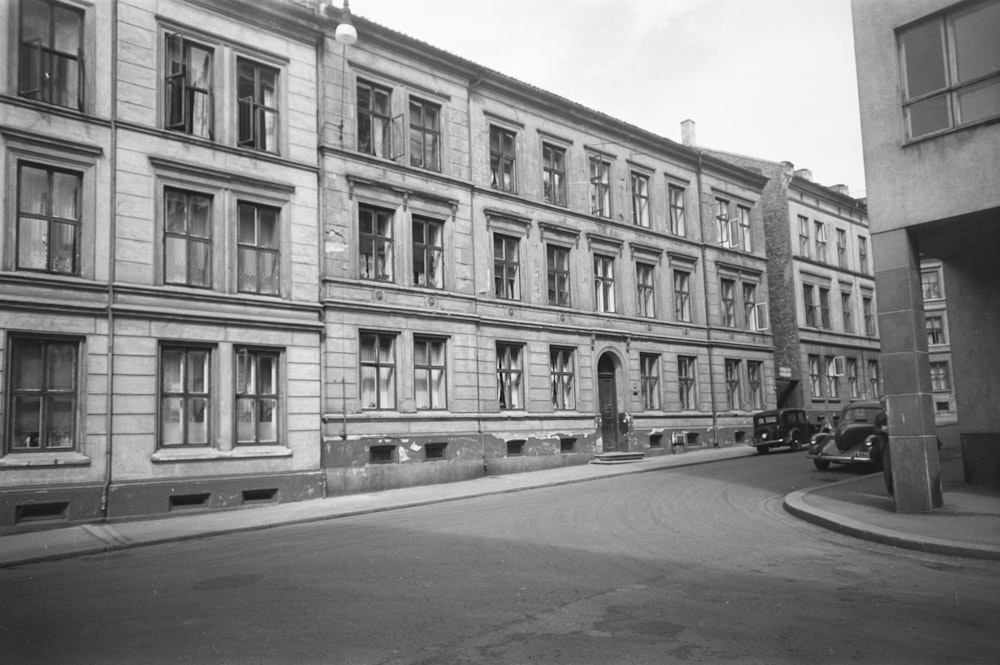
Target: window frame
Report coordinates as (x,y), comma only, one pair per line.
(258,396)
(178,81)
(755,383)
(676,204)
(645,287)
(931,289)
(863,255)
(187,394)
(45,67)
(832,378)
(847,310)
(554,174)
(259,251)
(425,252)
(258,109)
(384,370)
(381,244)
(733,368)
(854,389)
(562,375)
(78,224)
(727,301)
(600,185)
(503,162)
(558,279)
(510,376)
(649,381)
(687,382)
(682,295)
(188,239)
(820,238)
(842,248)
(374,118)
(510,276)
(936,334)
(940,373)
(868,310)
(47,395)
(640,183)
(605,300)
(430,369)
(425,134)
(815,376)
(805,237)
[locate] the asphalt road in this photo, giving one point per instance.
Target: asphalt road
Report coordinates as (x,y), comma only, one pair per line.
(688,565)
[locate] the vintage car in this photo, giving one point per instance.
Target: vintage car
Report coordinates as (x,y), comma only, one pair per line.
(853,441)
(781,427)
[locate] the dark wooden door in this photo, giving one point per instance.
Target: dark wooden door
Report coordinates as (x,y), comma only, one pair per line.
(608,399)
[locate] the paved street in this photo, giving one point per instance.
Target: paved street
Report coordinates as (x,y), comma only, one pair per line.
(693,564)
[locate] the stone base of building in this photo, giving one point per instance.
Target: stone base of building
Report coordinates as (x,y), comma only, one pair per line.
(981,458)
(51,506)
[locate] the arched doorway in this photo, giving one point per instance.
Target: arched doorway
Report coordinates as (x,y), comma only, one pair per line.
(607,402)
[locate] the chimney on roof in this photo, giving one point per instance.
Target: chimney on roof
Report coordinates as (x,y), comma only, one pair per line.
(841,189)
(687,133)
(805,174)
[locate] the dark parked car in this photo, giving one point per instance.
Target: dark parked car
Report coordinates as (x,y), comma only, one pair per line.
(781,427)
(855,440)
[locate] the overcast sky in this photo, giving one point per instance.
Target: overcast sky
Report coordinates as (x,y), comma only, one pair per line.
(774,79)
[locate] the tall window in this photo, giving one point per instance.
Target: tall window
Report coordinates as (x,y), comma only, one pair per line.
(43,390)
(561,374)
(686,382)
(809,301)
(506,267)
(745,241)
(733,391)
(188,94)
(259,258)
(645,292)
(815,381)
(750,306)
(429,373)
(374,134)
(425,135)
(951,74)
(852,378)
(640,199)
(755,373)
(600,187)
(51,63)
(428,252)
(185,396)
(820,241)
(935,330)
(48,219)
(509,373)
(863,254)
(832,380)
(502,160)
(378,371)
(682,295)
(824,308)
(257,97)
(869,314)
(649,379)
(557,259)
(257,397)
(187,241)
(722,227)
(604,283)
(375,246)
(842,248)
(874,382)
(675,196)
(847,310)
(930,282)
(805,250)
(554,174)
(940,379)
(727,294)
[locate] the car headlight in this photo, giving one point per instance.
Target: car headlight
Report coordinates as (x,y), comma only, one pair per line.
(870,440)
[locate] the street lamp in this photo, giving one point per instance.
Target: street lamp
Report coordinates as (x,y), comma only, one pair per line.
(345,33)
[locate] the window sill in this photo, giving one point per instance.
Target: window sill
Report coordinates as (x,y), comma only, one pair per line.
(44,460)
(212,454)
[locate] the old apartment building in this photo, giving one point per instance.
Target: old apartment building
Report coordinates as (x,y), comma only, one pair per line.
(245,262)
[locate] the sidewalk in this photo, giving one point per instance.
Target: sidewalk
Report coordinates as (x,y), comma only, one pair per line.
(968,525)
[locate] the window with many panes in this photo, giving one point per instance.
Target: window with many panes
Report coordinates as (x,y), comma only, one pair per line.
(51,63)
(832,380)
(561,374)
(809,302)
(745,240)
(852,378)
(675,199)
(733,391)
(824,309)
(600,186)
(378,370)
(727,294)
(874,382)
(815,380)
(950,69)
(506,267)
(940,378)
(820,241)
(48,219)
(429,373)
(682,295)
(935,330)
(604,283)
(649,380)
(187,238)
(722,226)
(930,283)
(257,98)
(185,396)
(187,100)
(258,399)
(847,311)
(645,276)
(425,134)
(805,249)
(869,314)
(428,252)
(374,119)
(686,382)
(755,374)
(258,251)
(863,254)
(502,159)
(43,390)
(510,392)
(554,174)
(375,247)
(557,264)
(750,321)
(640,199)
(842,248)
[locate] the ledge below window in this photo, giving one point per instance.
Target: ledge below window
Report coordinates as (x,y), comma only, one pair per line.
(45,460)
(211,454)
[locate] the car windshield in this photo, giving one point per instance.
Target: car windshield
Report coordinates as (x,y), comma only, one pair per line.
(766,420)
(861,415)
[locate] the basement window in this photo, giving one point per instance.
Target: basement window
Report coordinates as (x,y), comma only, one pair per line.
(655,440)
(515,448)
(269,495)
(433,451)
(189,501)
(381,454)
(567,445)
(40,512)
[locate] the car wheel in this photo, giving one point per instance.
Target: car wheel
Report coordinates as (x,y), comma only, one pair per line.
(762,450)
(796,444)
(821,464)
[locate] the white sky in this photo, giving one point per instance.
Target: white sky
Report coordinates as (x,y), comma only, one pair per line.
(774,79)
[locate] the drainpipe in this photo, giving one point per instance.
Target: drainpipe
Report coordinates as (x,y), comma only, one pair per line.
(475,270)
(708,327)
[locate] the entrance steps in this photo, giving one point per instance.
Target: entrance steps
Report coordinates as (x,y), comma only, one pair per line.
(617,457)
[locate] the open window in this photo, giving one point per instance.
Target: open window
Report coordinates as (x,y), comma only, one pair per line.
(761,316)
(839,366)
